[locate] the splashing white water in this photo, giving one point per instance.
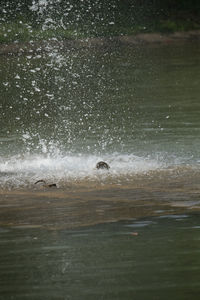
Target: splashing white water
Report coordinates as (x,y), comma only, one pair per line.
(18,171)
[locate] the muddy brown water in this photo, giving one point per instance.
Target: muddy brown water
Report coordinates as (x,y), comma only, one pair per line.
(84,203)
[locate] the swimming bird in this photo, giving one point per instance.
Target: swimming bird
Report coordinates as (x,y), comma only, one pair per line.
(46,185)
(102,165)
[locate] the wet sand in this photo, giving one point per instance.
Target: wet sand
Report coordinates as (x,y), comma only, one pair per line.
(86,203)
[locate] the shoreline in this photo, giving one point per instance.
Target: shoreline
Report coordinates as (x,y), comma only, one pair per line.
(102,42)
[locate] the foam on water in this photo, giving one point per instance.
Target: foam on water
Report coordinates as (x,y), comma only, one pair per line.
(23,171)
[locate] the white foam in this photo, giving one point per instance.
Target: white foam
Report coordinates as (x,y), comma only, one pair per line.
(23,171)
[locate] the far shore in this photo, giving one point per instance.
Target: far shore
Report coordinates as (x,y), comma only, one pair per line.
(124,40)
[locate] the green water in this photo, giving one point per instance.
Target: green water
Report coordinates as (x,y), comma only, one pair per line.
(123,100)
(103,262)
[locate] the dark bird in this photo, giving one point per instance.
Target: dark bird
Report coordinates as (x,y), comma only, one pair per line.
(102,165)
(46,185)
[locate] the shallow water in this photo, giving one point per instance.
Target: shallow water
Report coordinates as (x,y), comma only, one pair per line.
(149,258)
(88,202)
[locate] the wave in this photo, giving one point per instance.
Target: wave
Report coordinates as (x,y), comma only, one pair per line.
(24,171)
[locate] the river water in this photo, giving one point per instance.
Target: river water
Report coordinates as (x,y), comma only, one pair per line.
(132,231)
(151,258)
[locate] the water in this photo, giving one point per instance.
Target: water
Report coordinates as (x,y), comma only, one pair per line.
(64,110)
(150,258)
(130,232)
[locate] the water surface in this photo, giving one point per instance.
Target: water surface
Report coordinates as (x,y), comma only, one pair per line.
(149,258)
(63,110)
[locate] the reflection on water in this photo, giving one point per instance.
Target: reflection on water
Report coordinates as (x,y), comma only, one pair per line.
(151,258)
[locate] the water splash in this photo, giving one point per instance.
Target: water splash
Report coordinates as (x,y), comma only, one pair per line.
(63,109)
(24,171)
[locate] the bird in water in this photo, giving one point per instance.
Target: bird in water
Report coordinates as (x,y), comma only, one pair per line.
(99,165)
(45,184)
(102,165)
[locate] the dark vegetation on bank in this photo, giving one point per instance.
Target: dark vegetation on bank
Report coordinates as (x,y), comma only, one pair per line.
(27,20)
